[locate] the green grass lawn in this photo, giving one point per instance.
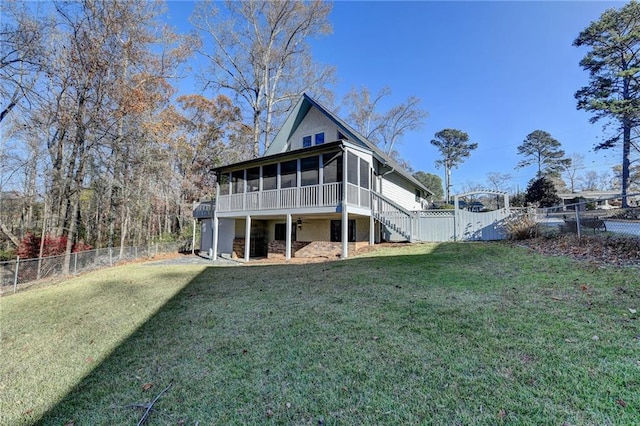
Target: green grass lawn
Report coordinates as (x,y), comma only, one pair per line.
(425,334)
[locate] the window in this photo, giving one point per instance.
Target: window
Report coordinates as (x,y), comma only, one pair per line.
(306,141)
(332,167)
(364,174)
(341,136)
(336,231)
(237,182)
(281,232)
(288,174)
(224,183)
(352,168)
(253,179)
(309,171)
(319,138)
(418,195)
(269,176)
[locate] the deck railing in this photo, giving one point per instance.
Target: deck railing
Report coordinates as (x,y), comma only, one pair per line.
(326,195)
(203,209)
(392,216)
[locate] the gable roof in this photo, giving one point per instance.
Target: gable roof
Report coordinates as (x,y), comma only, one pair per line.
(302,107)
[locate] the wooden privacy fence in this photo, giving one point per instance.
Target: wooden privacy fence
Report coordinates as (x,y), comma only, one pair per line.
(459,224)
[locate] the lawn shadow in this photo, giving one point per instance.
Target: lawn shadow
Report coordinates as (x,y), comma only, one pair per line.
(224,337)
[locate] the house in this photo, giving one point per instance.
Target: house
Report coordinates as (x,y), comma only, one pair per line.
(320,189)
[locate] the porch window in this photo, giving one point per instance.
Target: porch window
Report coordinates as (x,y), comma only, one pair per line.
(224,184)
(237,182)
(306,141)
(309,171)
(319,138)
(288,174)
(269,177)
(253,179)
(352,168)
(364,174)
(332,167)
(281,232)
(336,231)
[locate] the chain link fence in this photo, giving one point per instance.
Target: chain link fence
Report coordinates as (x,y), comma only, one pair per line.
(20,272)
(601,216)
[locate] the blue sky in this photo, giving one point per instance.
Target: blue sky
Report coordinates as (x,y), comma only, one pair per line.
(496,70)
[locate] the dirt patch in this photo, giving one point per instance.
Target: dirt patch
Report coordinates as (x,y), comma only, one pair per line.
(601,250)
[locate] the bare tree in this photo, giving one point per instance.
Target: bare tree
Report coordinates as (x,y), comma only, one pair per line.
(498,181)
(259,52)
(385,129)
(572,170)
(363,112)
(21,44)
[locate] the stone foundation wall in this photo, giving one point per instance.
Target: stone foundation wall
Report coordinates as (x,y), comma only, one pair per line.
(310,249)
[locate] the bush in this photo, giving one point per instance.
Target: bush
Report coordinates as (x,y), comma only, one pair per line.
(29,247)
(521,228)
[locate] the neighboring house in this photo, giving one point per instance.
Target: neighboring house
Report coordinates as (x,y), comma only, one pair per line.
(321,189)
(599,199)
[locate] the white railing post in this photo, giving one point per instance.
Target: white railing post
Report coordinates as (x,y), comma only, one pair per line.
(75,263)
(15,277)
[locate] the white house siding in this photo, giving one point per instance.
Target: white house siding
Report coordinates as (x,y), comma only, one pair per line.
(399,190)
(314,122)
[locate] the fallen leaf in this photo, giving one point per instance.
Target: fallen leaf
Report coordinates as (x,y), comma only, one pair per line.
(269,413)
(147,386)
(288,405)
(502,414)
(26,413)
(621,402)
(583,287)
(89,360)
(70,423)
(595,337)
(181,422)
(244,351)
(633,311)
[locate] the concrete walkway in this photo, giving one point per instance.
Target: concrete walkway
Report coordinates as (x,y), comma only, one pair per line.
(192,259)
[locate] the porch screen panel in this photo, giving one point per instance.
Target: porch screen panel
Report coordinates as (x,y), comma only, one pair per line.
(269,177)
(309,173)
(352,168)
(253,179)
(224,183)
(288,174)
(237,182)
(332,167)
(364,174)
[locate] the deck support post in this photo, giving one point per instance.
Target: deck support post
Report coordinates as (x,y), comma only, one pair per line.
(214,237)
(372,230)
(345,232)
(247,238)
(193,237)
(287,250)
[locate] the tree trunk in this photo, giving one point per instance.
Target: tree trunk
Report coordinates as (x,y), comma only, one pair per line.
(626,150)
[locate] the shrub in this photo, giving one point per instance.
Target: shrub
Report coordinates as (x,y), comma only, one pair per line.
(29,247)
(521,228)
